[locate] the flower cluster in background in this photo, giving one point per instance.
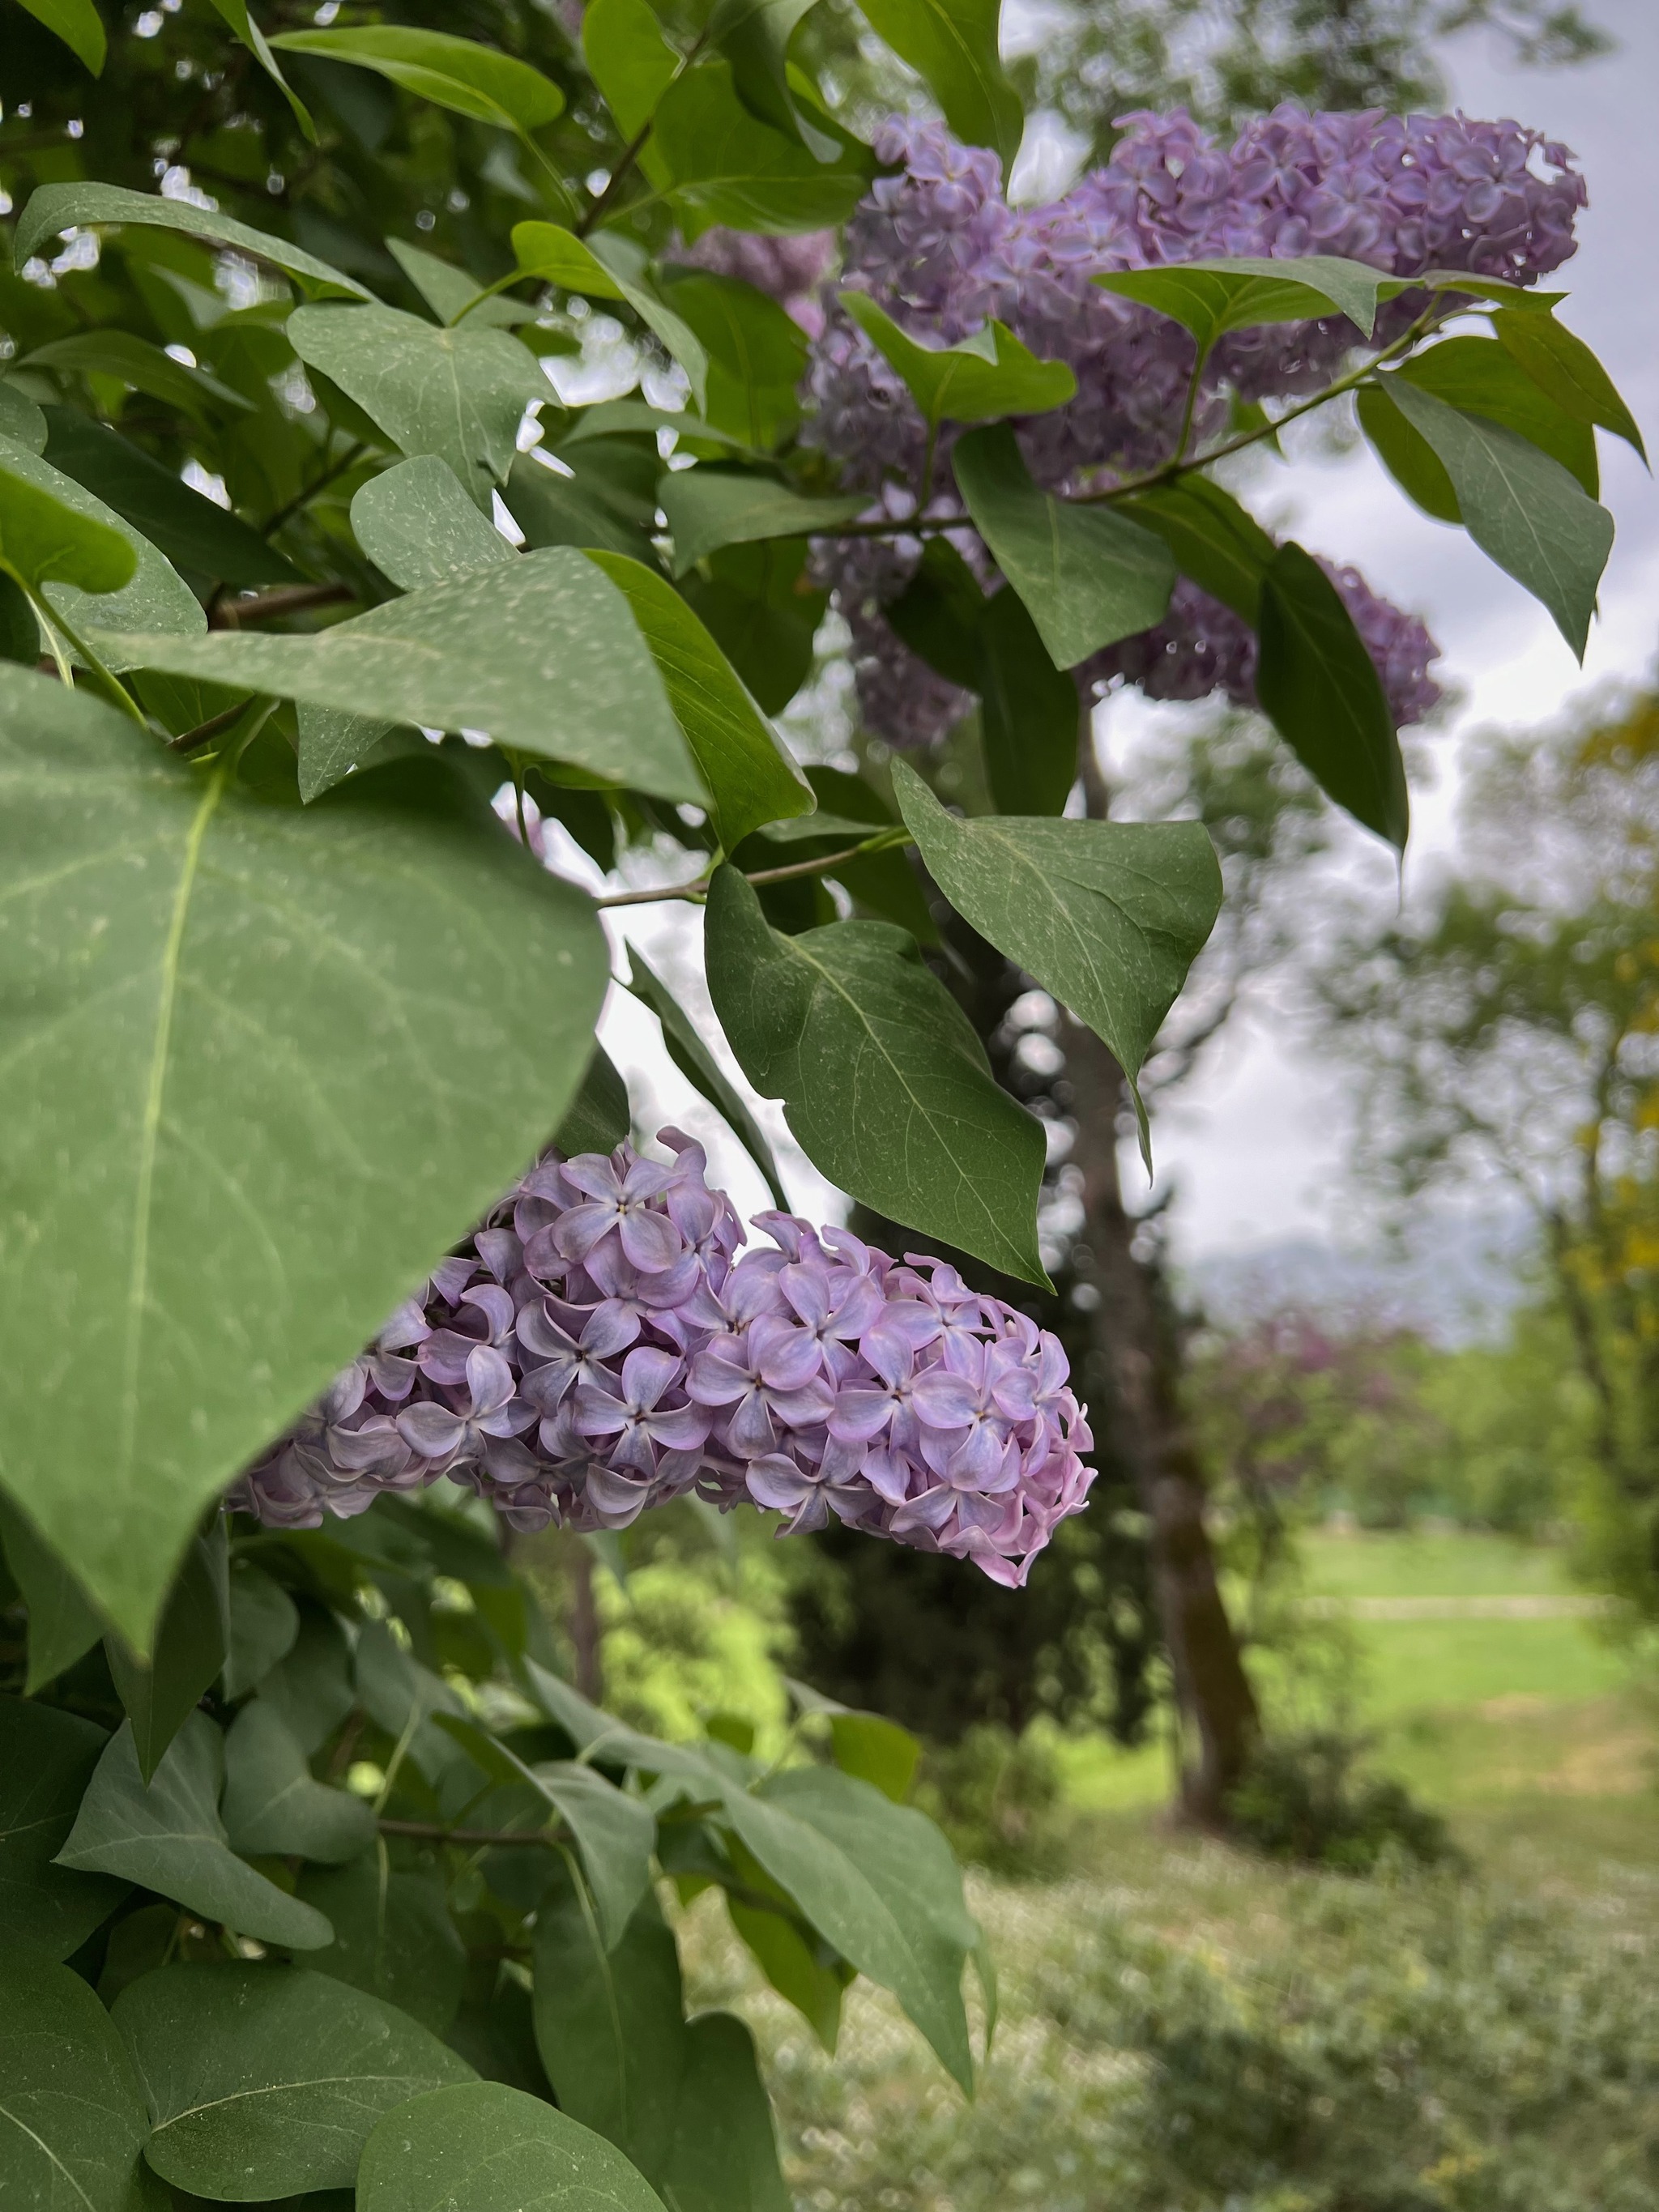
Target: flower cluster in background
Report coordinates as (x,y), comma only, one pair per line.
(941,249)
(604,1345)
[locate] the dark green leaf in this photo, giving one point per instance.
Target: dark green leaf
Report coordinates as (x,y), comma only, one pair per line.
(185,967)
(72,2120)
(140,365)
(1319,686)
(458,393)
(1107,916)
(1216,542)
(191,530)
(451,292)
(695,1061)
(881,884)
(267,2080)
(62,1626)
(21,420)
(875,1879)
(1407,456)
(724,166)
(1521,507)
(797,1963)
(754,36)
(756,357)
(608,501)
(610,2023)
(750,778)
(188,1652)
(614,1835)
(56,208)
(264,1624)
(708,509)
(491,2148)
(393,1936)
(78,24)
(566,675)
(459,74)
(400,1696)
(46,1761)
(553,255)
(1089,576)
(876,1751)
(987,375)
(1562,365)
(1479,376)
(273,1806)
(630,60)
(952,47)
(154,599)
(168,1838)
(20,626)
(236,14)
(763,611)
(598,1118)
(311,1689)
(418,527)
(43,539)
(884,1082)
(1211,297)
(1030,712)
(723,2156)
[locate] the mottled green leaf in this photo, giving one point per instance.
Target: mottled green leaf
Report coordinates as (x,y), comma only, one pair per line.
(1319,686)
(492,2149)
(168,1838)
(191,975)
(987,375)
(46,1760)
(1088,575)
(458,393)
(56,208)
(883,1079)
(709,507)
(1521,507)
(1108,916)
(419,528)
(394,1937)
(72,2118)
(274,1806)
(268,2081)
(952,46)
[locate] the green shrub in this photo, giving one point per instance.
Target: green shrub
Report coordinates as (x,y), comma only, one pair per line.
(1302,1799)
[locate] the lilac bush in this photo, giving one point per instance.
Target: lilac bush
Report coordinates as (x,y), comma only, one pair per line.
(937,244)
(605,1344)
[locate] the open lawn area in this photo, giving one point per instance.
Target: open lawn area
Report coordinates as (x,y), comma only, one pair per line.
(1468,1702)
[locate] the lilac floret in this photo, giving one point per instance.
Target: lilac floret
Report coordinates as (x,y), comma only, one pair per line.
(605,1344)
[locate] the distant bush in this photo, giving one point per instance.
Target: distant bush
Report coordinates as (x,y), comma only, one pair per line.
(1303,1798)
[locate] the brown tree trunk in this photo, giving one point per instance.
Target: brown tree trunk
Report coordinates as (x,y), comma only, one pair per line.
(1136,1343)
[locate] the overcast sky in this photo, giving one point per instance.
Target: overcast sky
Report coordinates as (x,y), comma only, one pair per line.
(1256,1147)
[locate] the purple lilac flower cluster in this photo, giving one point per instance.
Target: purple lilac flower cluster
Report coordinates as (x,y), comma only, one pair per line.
(939,245)
(1201,646)
(604,1345)
(787,270)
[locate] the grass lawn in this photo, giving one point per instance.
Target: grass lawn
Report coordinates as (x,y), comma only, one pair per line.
(1467,1711)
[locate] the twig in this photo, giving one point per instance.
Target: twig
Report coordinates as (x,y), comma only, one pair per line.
(286,600)
(884,840)
(214,726)
(352,452)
